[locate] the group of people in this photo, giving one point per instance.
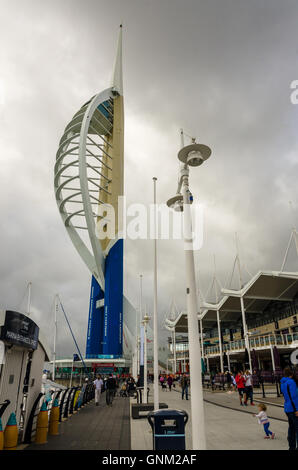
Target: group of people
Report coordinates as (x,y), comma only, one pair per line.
(166,380)
(289,389)
(244,384)
(109,385)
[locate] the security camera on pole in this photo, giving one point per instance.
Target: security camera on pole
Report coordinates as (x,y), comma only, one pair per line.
(191,156)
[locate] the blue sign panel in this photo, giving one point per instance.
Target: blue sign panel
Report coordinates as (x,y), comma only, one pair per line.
(105,325)
(113,308)
(95,321)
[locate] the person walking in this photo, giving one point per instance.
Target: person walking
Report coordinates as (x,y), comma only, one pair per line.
(170,382)
(163,382)
(98,384)
(240,381)
(110,390)
(229,380)
(184,385)
(248,388)
(288,388)
(263,419)
(233,382)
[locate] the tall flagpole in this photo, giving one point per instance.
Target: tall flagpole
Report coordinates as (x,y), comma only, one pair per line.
(141,332)
(245,330)
(155,325)
(29,298)
(55,337)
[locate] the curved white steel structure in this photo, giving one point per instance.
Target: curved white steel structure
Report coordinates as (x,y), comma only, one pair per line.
(85,167)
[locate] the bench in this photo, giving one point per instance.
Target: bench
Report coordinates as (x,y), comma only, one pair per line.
(137,407)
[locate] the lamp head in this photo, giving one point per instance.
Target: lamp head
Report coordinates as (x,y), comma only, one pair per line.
(176,203)
(194,154)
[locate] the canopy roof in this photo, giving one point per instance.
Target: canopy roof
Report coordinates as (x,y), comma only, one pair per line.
(263,288)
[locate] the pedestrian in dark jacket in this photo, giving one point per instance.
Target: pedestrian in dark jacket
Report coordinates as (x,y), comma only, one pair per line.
(289,390)
(184,385)
(170,382)
(110,389)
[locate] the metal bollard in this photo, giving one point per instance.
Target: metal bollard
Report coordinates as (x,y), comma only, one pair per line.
(42,425)
(11,433)
(54,419)
(277,387)
(263,389)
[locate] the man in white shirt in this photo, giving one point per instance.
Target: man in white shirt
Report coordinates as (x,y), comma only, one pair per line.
(248,388)
(98,383)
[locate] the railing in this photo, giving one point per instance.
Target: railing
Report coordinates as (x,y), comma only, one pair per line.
(3,406)
(254,343)
(65,402)
(31,424)
(239,345)
(72,400)
(259,381)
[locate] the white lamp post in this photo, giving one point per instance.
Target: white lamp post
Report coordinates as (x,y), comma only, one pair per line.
(55,338)
(155,317)
(145,323)
(174,350)
(192,155)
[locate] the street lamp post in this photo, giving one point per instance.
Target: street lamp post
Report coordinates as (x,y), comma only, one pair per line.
(155,317)
(174,350)
(145,323)
(191,155)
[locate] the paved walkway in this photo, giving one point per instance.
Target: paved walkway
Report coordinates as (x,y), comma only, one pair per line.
(226,428)
(93,428)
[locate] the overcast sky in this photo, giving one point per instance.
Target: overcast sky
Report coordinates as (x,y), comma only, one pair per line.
(220,69)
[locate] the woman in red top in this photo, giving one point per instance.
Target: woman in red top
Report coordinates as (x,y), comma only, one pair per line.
(240,381)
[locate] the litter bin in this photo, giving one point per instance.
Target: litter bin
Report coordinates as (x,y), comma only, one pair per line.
(168,429)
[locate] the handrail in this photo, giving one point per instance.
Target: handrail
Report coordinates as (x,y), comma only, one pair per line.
(256,342)
(91,392)
(58,394)
(4,406)
(66,408)
(28,432)
(86,394)
(72,400)
(61,404)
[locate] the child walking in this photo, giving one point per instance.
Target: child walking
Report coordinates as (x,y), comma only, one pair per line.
(263,419)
